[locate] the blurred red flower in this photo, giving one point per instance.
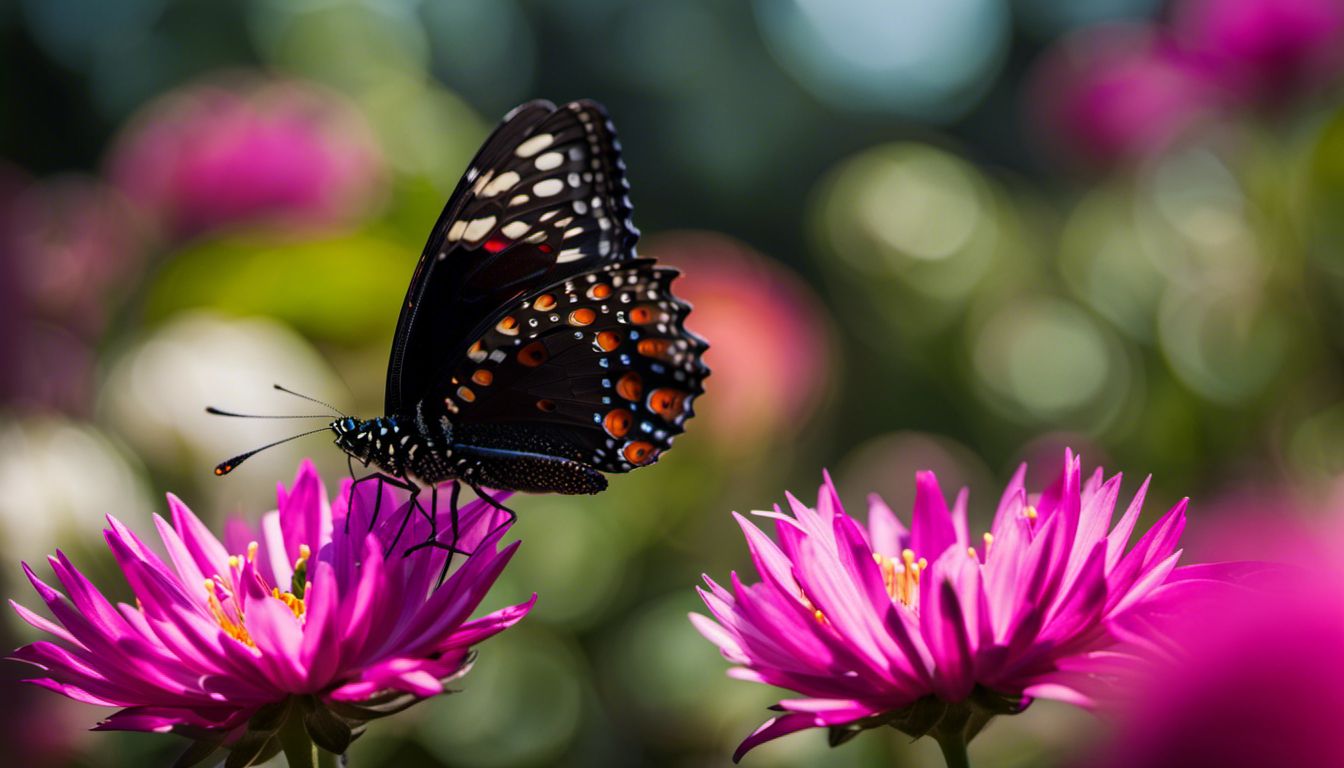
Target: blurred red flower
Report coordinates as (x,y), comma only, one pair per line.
(769,339)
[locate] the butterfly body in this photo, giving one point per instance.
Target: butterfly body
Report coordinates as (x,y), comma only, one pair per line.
(427,455)
(535,350)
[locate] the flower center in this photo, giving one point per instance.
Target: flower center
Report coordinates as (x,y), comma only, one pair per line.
(902,578)
(227,610)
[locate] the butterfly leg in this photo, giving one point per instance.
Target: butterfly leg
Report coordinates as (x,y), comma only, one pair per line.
(487,498)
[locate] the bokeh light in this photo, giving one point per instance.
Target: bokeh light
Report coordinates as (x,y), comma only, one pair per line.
(907,57)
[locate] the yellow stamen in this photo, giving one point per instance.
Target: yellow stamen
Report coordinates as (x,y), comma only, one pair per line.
(305,552)
(251,551)
(970,552)
(1030,512)
(234,562)
(295,604)
(235,630)
(816,612)
(989,540)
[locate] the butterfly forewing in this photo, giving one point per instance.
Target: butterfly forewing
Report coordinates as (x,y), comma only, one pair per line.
(597,368)
(545,198)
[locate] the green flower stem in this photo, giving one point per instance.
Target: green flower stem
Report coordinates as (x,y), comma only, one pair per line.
(954,750)
(300,752)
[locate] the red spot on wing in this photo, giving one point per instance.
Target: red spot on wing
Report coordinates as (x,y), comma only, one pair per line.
(496,244)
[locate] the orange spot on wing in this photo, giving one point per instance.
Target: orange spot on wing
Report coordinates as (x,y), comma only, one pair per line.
(546,406)
(508,326)
(668,403)
(584,316)
(545,302)
(645,314)
(617,423)
(483,377)
(608,341)
(466,395)
(533,354)
(638,452)
(476,352)
(630,386)
(599,291)
(655,348)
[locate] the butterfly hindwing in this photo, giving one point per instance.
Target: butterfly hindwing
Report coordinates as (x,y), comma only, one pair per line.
(544,199)
(597,368)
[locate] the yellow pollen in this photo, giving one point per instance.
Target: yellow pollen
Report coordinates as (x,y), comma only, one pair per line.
(989,540)
(235,630)
(234,562)
(816,612)
(1030,512)
(970,552)
(305,552)
(251,551)
(901,579)
(295,604)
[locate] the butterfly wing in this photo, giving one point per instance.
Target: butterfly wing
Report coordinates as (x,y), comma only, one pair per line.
(544,199)
(597,368)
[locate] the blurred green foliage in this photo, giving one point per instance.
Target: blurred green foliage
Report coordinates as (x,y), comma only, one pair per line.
(981,303)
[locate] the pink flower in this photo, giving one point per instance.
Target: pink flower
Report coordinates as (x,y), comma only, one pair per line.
(1260,680)
(305,617)
(1115,94)
(927,629)
(1264,51)
(213,155)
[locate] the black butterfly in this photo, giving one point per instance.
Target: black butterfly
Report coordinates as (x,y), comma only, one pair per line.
(535,349)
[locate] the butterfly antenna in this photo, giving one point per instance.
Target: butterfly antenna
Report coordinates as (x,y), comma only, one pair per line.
(328,406)
(225,467)
(213,411)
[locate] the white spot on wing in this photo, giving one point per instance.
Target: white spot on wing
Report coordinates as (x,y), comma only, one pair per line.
(548,187)
(549,161)
(479,228)
(515,229)
(503,182)
(455,231)
(518,200)
(575,232)
(569,254)
(534,145)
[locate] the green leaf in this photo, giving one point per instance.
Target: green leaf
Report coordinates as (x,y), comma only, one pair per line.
(327,730)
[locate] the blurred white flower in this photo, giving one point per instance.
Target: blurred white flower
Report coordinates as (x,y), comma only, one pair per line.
(157,392)
(60,478)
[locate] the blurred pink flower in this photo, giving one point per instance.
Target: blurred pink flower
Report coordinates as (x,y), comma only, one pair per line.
(928,630)
(70,249)
(1115,94)
(768,335)
(1259,681)
(1263,51)
(217,154)
(307,614)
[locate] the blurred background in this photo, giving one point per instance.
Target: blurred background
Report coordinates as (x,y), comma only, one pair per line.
(950,235)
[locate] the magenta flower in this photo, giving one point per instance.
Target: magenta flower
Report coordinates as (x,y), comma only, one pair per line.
(304,628)
(1115,94)
(926,629)
(1259,681)
(213,155)
(1264,51)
